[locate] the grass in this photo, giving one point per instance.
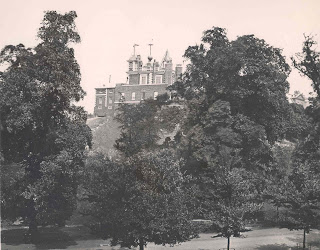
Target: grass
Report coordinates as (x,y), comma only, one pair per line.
(105,131)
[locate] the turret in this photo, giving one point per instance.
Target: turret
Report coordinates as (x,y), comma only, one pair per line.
(167,66)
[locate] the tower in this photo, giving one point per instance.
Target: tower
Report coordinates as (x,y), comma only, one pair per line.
(134,66)
(167,65)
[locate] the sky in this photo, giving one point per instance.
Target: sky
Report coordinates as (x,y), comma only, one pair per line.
(109,29)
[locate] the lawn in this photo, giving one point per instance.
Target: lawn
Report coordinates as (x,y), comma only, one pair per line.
(79,237)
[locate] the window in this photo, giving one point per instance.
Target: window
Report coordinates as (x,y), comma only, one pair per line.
(155,95)
(133,96)
(143,80)
(143,95)
(110,101)
(110,92)
(122,96)
(100,100)
(158,79)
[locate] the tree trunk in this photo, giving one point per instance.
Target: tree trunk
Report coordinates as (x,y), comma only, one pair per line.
(141,244)
(32,234)
(228,246)
(33,231)
(304,238)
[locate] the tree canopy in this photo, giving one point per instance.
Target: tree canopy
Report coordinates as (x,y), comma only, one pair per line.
(236,97)
(140,200)
(247,72)
(43,131)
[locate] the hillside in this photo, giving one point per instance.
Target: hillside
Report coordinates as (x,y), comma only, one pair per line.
(105,131)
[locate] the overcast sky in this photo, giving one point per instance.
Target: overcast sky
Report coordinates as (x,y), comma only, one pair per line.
(109,29)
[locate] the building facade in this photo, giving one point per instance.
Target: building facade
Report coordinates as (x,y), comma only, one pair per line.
(143,82)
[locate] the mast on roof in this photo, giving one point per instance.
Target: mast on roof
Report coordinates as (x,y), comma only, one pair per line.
(150,56)
(134,48)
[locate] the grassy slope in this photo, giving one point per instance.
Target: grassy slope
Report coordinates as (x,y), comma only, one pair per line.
(105,131)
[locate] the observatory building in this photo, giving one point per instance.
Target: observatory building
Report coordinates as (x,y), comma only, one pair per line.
(143,81)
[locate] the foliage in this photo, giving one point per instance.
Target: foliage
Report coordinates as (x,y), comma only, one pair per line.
(300,123)
(142,124)
(237,109)
(139,201)
(247,72)
(235,93)
(299,194)
(230,195)
(308,62)
(139,128)
(43,132)
(295,188)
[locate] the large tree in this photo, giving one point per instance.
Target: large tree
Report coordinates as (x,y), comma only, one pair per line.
(247,72)
(235,93)
(297,190)
(231,198)
(44,135)
(234,90)
(140,200)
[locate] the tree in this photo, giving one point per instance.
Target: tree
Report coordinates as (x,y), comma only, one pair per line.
(143,125)
(44,135)
(297,190)
(247,72)
(308,62)
(141,200)
(229,196)
(300,123)
(237,109)
(299,194)
(139,127)
(234,90)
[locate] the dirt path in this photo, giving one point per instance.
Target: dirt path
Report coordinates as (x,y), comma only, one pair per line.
(258,239)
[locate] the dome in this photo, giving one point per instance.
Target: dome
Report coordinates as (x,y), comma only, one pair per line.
(133,58)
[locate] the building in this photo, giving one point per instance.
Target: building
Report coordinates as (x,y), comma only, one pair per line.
(299,98)
(143,82)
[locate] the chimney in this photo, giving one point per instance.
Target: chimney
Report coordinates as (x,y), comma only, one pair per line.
(178,72)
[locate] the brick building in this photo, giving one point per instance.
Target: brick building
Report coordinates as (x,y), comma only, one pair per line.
(143,82)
